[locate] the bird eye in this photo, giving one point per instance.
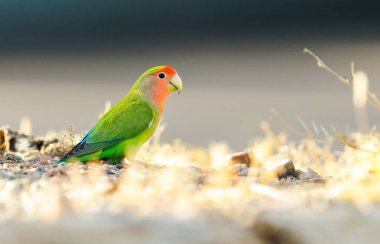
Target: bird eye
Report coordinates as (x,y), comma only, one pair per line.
(161,75)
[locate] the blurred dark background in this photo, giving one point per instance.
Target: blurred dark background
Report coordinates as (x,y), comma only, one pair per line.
(86,25)
(61,60)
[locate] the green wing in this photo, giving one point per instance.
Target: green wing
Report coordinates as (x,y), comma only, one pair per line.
(126,120)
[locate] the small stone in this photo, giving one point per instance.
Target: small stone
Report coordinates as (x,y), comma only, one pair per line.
(240,169)
(309,176)
(284,169)
(52,173)
(4,144)
(9,175)
(41,169)
(119,166)
(13,157)
(247,158)
(32,158)
(83,168)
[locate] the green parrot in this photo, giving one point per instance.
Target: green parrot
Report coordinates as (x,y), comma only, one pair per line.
(129,124)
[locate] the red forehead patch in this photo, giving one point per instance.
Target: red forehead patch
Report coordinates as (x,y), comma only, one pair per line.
(168,70)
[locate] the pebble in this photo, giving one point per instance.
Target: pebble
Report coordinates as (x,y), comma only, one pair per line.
(3,141)
(240,169)
(310,176)
(119,166)
(33,158)
(41,169)
(9,175)
(284,169)
(247,158)
(13,157)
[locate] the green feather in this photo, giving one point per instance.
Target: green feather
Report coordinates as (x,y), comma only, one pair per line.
(122,130)
(124,121)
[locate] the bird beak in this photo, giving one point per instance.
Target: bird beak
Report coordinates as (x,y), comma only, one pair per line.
(175,84)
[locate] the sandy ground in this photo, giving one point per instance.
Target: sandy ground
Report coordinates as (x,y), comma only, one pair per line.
(177,193)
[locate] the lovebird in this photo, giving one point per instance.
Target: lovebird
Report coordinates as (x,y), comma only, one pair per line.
(129,124)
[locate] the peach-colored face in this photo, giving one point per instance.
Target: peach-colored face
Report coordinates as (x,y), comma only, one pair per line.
(163,85)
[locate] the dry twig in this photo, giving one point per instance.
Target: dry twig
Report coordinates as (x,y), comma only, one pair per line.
(373,100)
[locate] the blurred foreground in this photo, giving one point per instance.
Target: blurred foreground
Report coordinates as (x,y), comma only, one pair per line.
(182,194)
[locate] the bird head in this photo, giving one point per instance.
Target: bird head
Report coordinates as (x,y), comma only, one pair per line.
(167,76)
(159,82)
